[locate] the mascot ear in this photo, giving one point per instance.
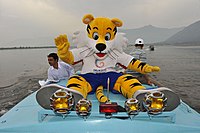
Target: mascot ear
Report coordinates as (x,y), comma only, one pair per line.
(117,22)
(87,19)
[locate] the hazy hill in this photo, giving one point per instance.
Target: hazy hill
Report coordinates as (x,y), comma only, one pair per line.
(190,34)
(150,34)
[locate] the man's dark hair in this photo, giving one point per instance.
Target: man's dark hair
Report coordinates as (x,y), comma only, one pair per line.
(54,55)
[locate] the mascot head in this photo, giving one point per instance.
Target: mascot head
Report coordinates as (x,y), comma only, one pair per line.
(101,32)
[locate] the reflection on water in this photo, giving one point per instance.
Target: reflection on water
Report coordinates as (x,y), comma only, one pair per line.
(180,68)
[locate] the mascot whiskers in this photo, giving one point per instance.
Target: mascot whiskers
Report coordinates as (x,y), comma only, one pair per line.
(99,50)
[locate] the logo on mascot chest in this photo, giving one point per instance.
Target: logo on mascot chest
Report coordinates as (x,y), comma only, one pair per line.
(101,32)
(99,63)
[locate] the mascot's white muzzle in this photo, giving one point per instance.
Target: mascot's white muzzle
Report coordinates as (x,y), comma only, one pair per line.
(100,48)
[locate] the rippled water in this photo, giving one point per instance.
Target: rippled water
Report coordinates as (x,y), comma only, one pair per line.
(20,62)
(180,71)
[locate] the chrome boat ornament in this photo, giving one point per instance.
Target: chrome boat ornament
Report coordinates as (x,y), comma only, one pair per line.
(62,102)
(83,108)
(155,102)
(132,106)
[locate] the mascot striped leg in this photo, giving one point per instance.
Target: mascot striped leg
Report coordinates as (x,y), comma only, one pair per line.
(79,84)
(127,85)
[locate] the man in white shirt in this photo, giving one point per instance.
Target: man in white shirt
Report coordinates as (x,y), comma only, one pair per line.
(58,70)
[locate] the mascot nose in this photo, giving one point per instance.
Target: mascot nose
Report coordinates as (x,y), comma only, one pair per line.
(100,46)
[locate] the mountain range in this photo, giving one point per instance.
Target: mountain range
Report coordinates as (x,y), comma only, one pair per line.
(190,34)
(151,34)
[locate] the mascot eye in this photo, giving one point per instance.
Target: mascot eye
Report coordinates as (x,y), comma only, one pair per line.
(95,36)
(107,36)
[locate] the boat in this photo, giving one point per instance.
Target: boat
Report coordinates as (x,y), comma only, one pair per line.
(29,116)
(151,48)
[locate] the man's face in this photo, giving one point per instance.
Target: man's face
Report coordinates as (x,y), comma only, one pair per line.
(140,46)
(51,61)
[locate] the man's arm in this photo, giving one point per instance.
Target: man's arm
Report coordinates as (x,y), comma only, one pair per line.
(50,75)
(68,68)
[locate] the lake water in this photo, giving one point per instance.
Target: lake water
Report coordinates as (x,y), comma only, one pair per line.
(180,68)
(180,71)
(18,62)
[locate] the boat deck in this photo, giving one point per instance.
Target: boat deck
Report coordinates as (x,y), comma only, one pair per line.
(28,116)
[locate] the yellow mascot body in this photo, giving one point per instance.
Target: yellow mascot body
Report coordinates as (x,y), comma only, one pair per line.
(101,50)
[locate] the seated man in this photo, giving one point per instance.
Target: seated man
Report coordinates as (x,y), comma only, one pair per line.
(58,70)
(138,52)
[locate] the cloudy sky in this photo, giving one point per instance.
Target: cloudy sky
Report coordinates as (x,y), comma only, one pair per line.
(43,18)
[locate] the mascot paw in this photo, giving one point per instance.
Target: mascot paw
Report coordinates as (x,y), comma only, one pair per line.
(62,43)
(150,69)
(155,69)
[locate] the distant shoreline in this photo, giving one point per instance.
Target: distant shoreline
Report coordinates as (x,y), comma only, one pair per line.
(130,45)
(26,47)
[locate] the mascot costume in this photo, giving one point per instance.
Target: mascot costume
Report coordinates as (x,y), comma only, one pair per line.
(99,51)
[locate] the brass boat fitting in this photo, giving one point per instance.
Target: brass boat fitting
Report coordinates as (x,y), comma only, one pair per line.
(155,102)
(62,102)
(83,108)
(132,106)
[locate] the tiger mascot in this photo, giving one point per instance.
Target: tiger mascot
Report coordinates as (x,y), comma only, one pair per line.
(99,51)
